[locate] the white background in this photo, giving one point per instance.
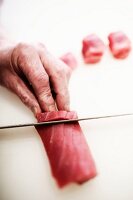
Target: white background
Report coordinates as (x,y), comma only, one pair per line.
(104,88)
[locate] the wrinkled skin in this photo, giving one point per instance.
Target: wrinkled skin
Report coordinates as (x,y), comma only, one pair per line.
(30,72)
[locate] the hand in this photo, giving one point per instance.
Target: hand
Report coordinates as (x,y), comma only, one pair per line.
(31,72)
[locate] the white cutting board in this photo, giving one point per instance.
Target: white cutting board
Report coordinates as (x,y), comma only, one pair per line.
(104,88)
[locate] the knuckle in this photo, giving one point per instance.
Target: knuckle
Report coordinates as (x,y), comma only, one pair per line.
(60,72)
(28,101)
(24,46)
(23,55)
(43,88)
(41,49)
(46,96)
(41,45)
(42,78)
(24,50)
(25,99)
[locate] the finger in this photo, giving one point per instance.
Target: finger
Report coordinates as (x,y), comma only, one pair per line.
(16,85)
(30,64)
(58,72)
(69,73)
(49,59)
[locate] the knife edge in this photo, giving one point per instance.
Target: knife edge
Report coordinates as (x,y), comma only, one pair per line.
(63,121)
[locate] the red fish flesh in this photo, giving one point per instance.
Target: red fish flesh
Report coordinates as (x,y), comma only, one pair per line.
(69,155)
(92,49)
(119,44)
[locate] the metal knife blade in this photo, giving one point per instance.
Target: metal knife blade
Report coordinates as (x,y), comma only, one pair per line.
(64,121)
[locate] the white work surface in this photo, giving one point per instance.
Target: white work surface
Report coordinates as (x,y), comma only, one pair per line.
(103,88)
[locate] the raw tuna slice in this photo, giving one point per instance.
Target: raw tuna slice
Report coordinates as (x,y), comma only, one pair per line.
(70,60)
(92,49)
(69,155)
(119,44)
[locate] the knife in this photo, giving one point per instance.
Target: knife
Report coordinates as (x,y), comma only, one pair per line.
(64,121)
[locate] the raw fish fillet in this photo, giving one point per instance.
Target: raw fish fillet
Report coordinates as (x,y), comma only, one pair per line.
(92,49)
(119,44)
(69,155)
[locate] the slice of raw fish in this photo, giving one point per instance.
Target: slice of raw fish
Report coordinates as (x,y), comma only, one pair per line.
(119,44)
(70,60)
(69,155)
(92,49)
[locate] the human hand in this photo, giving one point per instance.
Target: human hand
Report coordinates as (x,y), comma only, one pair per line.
(31,72)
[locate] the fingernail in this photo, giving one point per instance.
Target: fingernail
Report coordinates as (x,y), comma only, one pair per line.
(52,108)
(35,110)
(67,107)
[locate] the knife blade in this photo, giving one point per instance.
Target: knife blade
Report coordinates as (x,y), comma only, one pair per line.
(64,121)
